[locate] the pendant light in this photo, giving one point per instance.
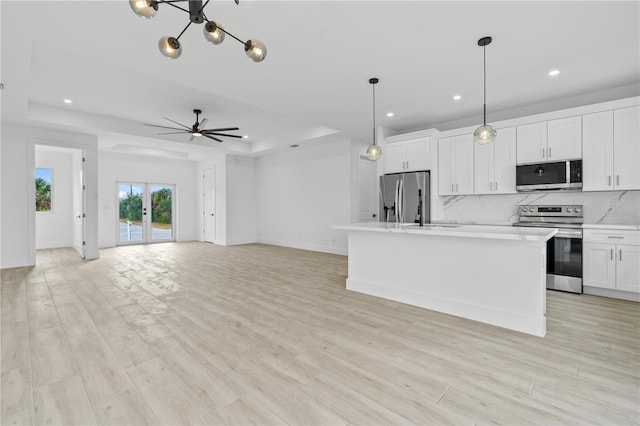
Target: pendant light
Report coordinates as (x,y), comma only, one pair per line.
(213,32)
(485,133)
(374,151)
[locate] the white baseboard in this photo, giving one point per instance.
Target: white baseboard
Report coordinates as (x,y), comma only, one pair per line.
(15,262)
(241,241)
(614,294)
(306,246)
(42,246)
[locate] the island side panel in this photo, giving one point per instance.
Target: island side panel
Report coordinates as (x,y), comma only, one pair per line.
(500,282)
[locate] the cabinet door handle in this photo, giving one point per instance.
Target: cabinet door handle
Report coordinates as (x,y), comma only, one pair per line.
(609,180)
(549,156)
(495,186)
(451,187)
(618,180)
(456,187)
(490,186)
(542,152)
(611,250)
(615,236)
(620,255)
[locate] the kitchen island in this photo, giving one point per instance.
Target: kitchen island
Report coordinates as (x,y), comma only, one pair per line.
(492,274)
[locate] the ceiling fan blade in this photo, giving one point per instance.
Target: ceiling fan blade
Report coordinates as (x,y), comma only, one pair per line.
(173,133)
(212,137)
(203,122)
(164,127)
(222,134)
(192,137)
(221,129)
(180,124)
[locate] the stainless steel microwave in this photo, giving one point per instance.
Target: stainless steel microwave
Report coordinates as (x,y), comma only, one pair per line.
(565,175)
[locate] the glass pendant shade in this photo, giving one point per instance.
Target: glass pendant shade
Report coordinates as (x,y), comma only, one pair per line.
(374,152)
(255,50)
(213,32)
(170,47)
(143,8)
(484,134)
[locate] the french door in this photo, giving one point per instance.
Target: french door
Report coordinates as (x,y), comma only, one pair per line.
(146,213)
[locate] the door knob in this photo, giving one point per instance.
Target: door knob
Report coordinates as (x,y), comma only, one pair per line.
(211,214)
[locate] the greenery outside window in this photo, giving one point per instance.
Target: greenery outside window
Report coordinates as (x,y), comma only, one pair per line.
(43,189)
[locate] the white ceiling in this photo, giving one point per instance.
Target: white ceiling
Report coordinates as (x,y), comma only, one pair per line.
(313,85)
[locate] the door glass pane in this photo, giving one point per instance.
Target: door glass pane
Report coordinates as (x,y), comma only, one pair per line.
(130,212)
(161,212)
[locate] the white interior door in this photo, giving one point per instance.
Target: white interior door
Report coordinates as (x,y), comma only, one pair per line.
(209,205)
(146,213)
(79,214)
(368,185)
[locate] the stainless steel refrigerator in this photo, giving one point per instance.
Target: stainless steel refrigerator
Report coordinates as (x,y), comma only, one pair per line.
(404,197)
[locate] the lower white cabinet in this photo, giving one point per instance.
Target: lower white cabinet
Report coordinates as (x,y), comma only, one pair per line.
(611,260)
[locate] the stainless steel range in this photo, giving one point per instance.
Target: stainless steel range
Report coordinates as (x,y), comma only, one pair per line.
(564,250)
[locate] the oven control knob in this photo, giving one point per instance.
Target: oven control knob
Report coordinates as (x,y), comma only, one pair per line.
(577,210)
(569,209)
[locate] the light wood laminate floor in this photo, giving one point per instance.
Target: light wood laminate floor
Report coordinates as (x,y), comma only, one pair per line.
(193,333)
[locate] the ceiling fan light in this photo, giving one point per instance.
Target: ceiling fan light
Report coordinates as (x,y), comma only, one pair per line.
(170,47)
(255,50)
(213,32)
(146,9)
(484,134)
(197,133)
(374,152)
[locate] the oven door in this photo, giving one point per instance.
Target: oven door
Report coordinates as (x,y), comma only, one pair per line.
(564,261)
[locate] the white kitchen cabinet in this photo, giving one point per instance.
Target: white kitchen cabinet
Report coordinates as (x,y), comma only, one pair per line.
(532,143)
(553,140)
(626,148)
(597,151)
(495,164)
(564,139)
(611,148)
(611,260)
(406,156)
(455,165)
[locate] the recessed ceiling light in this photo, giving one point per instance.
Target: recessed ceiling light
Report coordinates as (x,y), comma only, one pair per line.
(389,114)
(457,97)
(68,101)
(295,145)
(245,137)
(553,73)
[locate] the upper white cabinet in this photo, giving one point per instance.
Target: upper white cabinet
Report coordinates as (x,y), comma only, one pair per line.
(553,140)
(406,156)
(495,164)
(455,165)
(611,148)
(626,148)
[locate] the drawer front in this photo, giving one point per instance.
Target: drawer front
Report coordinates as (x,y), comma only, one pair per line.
(611,236)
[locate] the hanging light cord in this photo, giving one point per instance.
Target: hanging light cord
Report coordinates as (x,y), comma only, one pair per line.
(374,113)
(484,114)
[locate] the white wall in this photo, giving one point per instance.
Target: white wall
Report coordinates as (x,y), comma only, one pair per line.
(54,228)
(302,192)
(241,203)
(17,230)
(114,167)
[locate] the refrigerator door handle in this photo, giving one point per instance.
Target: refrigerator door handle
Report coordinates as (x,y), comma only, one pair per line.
(396,199)
(401,203)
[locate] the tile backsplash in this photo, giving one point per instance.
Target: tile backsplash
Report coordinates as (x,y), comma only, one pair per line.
(607,208)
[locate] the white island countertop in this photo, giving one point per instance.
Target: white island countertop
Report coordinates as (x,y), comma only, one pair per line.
(451,230)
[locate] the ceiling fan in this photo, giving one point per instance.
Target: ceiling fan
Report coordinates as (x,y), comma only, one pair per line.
(197,129)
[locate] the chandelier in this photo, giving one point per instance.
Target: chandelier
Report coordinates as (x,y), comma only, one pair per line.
(213,32)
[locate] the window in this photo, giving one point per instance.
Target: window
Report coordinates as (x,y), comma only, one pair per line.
(43,190)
